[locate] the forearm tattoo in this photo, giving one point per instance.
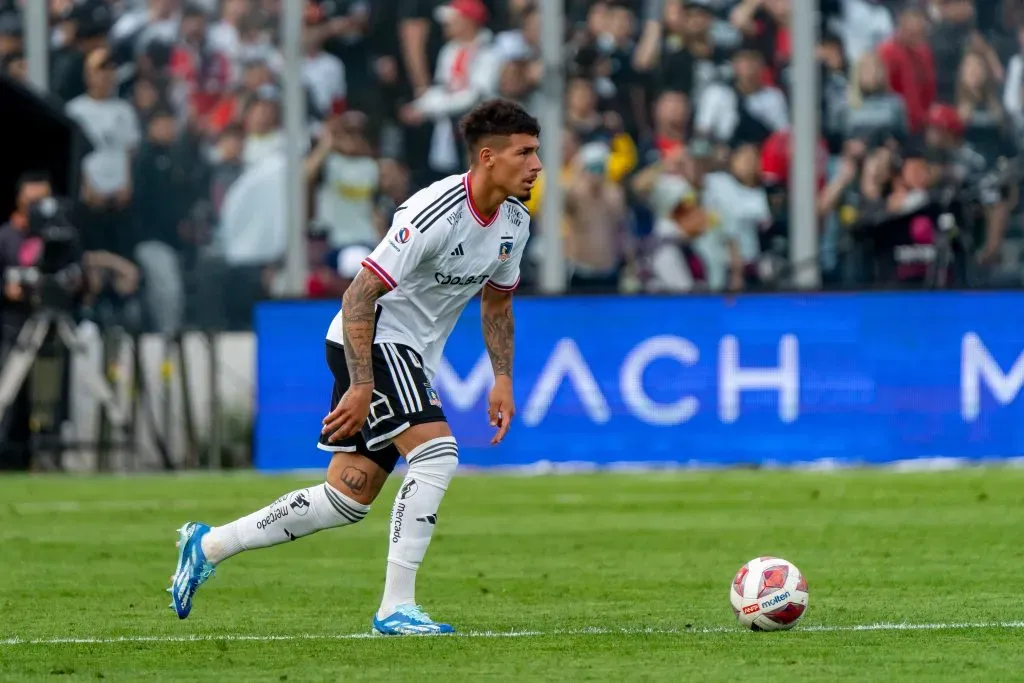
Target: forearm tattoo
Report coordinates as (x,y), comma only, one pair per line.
(359,309)
(499,334)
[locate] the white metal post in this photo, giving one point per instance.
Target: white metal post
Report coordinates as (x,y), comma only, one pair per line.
(803,186)
(37,44)
(294,111)
(552,275)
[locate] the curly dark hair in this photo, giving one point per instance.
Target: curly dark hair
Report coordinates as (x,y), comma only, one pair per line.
(496,118)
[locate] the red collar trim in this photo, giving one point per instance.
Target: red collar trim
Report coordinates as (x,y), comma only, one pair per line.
(473,210)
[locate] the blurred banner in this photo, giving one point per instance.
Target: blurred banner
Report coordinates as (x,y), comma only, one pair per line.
(699,380)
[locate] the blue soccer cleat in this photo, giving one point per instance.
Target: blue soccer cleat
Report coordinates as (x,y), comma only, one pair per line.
(409,620)
(193,569)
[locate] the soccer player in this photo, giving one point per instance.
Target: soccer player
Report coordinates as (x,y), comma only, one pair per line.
(459,236)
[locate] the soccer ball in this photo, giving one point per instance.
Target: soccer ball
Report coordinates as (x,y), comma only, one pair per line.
(768,594)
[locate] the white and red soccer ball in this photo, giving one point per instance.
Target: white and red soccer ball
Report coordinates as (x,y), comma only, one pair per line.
(768,594)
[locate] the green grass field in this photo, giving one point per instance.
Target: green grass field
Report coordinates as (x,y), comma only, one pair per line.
(605,577)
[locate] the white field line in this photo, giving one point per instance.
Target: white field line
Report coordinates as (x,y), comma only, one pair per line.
(595,631)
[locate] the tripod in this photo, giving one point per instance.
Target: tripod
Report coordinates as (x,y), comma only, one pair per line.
(24,354)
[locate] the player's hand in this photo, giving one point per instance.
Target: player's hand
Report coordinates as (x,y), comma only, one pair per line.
(348,416)
(501,407)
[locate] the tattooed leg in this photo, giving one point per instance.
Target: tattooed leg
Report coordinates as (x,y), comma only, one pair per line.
(353,481)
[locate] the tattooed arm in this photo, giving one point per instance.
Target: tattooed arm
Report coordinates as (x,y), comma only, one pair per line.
(359,306)
(499,329)
(358,312)
(499,333)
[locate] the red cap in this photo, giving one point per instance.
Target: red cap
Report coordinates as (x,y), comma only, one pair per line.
(474,10)
(945,118)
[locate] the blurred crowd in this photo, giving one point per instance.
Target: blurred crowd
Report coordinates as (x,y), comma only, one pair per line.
(676,138)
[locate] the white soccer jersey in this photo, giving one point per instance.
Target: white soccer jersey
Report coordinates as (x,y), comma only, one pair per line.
(437,255)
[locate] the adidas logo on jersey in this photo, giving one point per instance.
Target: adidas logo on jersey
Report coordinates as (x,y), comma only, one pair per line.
(457,251)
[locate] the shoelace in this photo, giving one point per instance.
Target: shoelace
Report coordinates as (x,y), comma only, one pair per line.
(414,612)
(205,572)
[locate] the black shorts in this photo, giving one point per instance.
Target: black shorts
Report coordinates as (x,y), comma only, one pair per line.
(402,397)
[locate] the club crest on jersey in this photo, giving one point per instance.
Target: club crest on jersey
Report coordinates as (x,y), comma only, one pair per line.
(505,251)
(434,399)
(403,235)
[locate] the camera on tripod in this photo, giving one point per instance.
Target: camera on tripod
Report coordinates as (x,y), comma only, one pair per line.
(50,272)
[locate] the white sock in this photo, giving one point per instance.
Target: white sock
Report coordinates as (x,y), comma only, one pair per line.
(413,517)
(294,515)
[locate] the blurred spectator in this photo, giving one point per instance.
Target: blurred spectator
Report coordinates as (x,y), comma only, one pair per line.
(347,29)
(332,270)
(748,111)
(519,53)
(835,83)
(113,129)
(227,165)
(602,53)
(201,74)
(987,133)
(159,207)
(679,220)
(15,66)
(251,239)
(596,240)
(256,44)
(346,178)
(152,22)
(15,429)
(147,95)
(687,57)
(224,37)
(979,106)
(738,199)
(83,29)
(263,134)
(10,34)
(467,73)
(872,113)
(322,72)
(1013,93)
(862,25)
(952,36)
(671,118)
(394,190)
(911,67)
(765,27)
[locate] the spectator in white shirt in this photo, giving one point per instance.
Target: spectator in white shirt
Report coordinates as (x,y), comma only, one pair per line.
(745,111)
(112,127)
(738,201)
(322,73)
(346,177)
(225,35)
(466,74)
(263,134)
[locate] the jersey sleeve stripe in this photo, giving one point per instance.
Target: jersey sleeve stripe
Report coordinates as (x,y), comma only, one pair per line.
(372,266)
(437,202)
(440,211)
(503,288)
